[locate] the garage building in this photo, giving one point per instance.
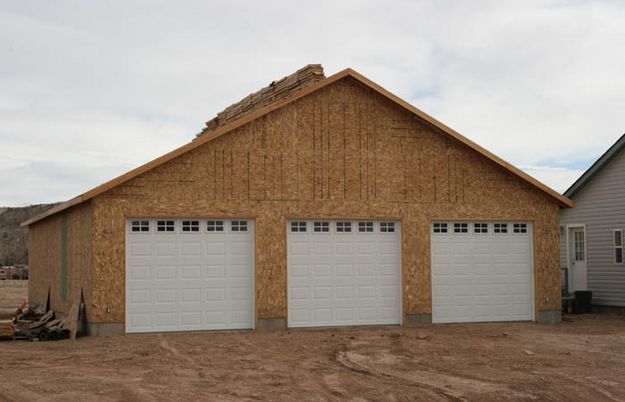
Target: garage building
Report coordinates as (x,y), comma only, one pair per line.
(313,202)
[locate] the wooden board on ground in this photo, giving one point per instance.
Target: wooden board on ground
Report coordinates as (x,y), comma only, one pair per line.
(53,323)
(44,319)
(71,321)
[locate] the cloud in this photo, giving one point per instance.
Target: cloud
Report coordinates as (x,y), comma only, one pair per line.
(90,89)
(560,179)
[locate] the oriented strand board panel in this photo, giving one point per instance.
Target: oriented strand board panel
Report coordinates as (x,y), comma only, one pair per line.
(60,253)
(341,152)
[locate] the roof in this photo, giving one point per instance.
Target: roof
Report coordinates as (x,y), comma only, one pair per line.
(220,131)
(596,167)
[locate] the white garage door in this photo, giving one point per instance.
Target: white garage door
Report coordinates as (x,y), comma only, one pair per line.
(189,274)
(344,273)
(482,271)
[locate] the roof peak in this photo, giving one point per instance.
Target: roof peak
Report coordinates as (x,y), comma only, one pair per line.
(268,108)
(275,91)
(596,167)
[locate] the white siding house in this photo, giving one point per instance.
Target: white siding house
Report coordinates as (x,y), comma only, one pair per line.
(592,231)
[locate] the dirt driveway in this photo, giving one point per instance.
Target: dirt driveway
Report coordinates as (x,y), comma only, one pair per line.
(583,359)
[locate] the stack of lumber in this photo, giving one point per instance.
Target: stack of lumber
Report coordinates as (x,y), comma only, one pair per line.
(33,323)
(49,328)
(276,91)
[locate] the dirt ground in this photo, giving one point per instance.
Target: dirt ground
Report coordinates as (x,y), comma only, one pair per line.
(581,359)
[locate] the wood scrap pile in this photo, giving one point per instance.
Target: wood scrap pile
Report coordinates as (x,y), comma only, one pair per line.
(276,91)
(32,322)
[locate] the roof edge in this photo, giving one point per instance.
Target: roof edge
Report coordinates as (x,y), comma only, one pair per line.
(562,200)
(596,167)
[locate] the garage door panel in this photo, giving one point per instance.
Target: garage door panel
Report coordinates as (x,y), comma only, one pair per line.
(299,248)
(344,278)
(366,270)
(321,271)
(140,249)
(140,272)
(343,248)
(299,293)
(481,276)
(141,296)
(166,320)
(164,272)
(366,248)
(366,292)
(164,295)
(191,272)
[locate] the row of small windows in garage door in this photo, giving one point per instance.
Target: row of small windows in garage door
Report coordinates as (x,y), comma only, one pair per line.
(342,227)
(478,227)
(186,226)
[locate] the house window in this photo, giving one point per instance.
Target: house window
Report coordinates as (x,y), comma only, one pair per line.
(618,246)
(365,227)
(519,228)
(214,226)
(321,227)
(165,226)
(298,226)
(387,227)
(480,228)
(439,227)
(190,226)
(238,226)
(139,226)
(500,228)
(461,228)
(343,227)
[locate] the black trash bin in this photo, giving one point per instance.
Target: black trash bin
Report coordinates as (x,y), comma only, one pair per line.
(583,301)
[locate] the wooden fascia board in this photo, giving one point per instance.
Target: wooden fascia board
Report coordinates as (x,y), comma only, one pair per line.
(563,201)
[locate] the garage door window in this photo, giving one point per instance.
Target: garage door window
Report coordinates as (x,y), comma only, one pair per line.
(500,228)
(480,228)
(519,228)
(321,227)
(387,227)
(190,226)
(439,227)
(343,227)
(140,226)
(298,226)
(461,228)
(238,226)
(364,227)
(165,226)
(215,226)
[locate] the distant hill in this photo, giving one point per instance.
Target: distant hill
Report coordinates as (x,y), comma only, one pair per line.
(12,236)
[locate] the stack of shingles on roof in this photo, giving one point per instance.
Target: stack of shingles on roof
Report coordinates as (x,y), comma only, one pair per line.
(276,91)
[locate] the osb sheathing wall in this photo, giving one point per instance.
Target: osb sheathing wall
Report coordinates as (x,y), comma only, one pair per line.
(341,152)
(45,247)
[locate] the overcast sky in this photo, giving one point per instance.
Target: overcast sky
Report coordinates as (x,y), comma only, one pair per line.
(89,90)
